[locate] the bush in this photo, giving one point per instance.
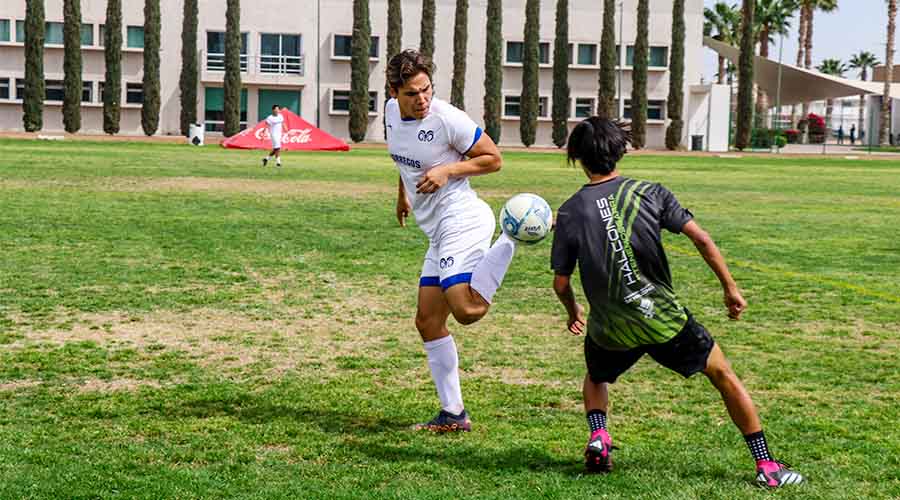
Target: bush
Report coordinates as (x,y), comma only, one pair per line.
(765,138)
(792,136)
(781,141)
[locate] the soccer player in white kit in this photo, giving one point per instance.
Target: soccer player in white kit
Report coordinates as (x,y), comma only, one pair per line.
(274,122)
(437,148)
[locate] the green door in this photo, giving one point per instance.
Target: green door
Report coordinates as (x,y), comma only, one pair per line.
(289,99)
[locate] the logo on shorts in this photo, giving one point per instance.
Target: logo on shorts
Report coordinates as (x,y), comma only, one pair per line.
(426,136)
(447,263)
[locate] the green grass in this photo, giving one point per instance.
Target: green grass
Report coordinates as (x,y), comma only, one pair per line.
(181,323)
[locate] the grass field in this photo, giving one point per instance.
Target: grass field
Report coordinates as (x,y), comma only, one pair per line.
(181,323)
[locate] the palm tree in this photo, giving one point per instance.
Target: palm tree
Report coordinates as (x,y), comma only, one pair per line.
(807,14)
(833,67)
(772,17)
(862,62)
(889,74)
(745,77)
(724,19)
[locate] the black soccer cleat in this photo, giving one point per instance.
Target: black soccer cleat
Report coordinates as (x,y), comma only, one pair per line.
(446,422)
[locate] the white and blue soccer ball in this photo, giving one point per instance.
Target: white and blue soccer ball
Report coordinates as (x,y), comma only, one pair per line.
(526,218)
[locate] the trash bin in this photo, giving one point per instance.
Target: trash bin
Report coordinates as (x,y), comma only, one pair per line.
(195,134)
(696,143)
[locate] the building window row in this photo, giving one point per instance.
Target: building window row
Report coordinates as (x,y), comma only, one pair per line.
(342,47)
(579,108)
(54,36)
(54,91)
(583,54)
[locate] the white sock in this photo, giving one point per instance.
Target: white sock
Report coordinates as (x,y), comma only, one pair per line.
(444,363)
(489,273)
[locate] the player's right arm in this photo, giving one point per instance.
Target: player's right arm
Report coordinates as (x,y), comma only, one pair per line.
(403,204)
(734,301)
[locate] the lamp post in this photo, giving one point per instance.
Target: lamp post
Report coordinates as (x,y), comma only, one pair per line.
(777,124)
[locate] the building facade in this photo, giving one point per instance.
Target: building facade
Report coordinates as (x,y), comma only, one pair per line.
(297,53)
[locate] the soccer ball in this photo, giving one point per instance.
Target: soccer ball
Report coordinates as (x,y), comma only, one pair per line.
(526,218)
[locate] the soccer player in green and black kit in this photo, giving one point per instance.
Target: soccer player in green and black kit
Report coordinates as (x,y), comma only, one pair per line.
(611,229)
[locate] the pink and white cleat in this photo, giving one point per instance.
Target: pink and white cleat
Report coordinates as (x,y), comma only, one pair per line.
(775,474)
(597,454)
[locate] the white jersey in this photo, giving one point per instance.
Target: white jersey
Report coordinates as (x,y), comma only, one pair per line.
(274,123)
(444,136)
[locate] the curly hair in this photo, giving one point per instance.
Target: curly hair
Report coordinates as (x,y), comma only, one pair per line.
(406,65)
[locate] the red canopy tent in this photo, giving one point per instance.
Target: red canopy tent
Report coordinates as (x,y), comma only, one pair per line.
(298,135)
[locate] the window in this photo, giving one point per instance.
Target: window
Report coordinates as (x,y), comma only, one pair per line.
(543,107)
(135,37)
(87,35)
(214,113)
(102,32)
(655,110)
(101,91)
(584,107)
(343,47)
(280,54)
(571,54)
(587,54)
(20,31)
(340,102)
(515,52)
(512,105)
(53,33)
(4,88)
(87,91)
(134,93)
(4,35)
(20,88)
(215,51)
(55,90)
(658,58)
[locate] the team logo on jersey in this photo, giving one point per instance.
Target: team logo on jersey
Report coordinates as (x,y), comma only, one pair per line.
(426,136)
(447,263)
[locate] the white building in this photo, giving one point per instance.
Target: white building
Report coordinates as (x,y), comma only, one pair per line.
(296,53)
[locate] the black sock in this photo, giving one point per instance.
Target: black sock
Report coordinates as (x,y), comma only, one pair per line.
(758,447)
(596,419)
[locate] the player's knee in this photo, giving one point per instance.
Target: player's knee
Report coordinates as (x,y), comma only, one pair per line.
(469,313)
(426,325)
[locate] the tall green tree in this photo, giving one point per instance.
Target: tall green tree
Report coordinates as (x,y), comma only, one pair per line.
(862,62)
(745,78)
(560,111)
(426,31)
(530,100)
(889,74)
(460,40)
(187,83)
(609,58)
(394,45)
(359,71)
(150,106)
(112,50)
(833,67)
(493,70)
(232,86)
(675,103)
(72,66)
(772,17)
(725,21)
(639,76)
(33,101)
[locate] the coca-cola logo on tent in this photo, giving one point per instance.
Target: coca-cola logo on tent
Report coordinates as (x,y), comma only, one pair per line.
(292,136)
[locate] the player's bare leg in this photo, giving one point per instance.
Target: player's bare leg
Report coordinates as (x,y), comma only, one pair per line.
(443,361)
(769,472)
(469,302)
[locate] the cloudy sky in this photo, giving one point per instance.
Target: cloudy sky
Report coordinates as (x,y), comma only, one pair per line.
(856,25)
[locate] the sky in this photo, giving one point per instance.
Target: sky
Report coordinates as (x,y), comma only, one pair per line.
(857,25)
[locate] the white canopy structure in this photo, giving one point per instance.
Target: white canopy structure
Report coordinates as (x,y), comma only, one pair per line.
(799,85)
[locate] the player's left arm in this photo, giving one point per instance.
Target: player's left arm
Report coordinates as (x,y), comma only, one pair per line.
(734,301)
(562,285)
(483,158)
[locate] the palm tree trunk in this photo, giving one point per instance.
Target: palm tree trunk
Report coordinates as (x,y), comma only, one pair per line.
(808,43)
(801,28)
(862,105)
(883,138)
(762,99)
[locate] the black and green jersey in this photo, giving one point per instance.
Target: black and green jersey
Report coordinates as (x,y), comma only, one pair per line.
(612,231)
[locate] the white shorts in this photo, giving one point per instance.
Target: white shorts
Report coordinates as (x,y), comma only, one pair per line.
(276,143)
(462,242)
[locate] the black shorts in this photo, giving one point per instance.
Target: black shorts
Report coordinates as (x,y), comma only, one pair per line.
(685,353)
